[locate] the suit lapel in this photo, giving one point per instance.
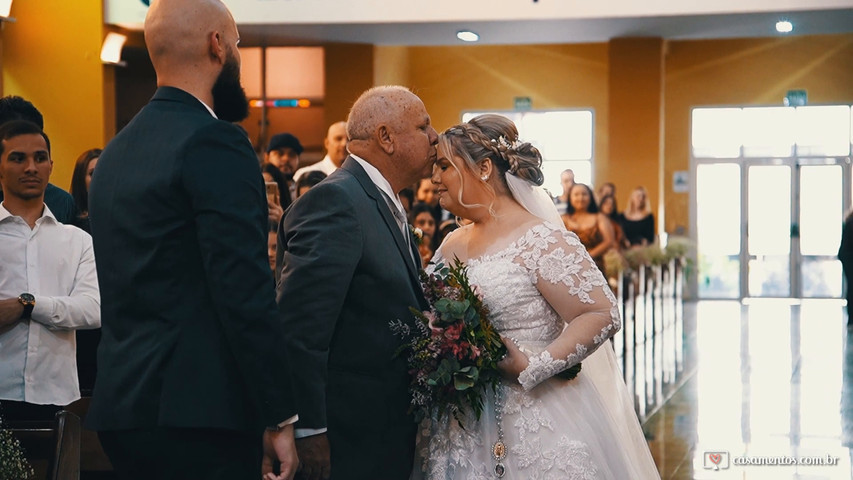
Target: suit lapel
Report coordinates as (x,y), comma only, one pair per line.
(373,192)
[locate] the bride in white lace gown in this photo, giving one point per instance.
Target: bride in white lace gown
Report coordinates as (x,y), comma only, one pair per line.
(554,309)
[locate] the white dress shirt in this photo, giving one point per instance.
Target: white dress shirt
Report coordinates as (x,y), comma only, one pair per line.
(326,165)
(56,264)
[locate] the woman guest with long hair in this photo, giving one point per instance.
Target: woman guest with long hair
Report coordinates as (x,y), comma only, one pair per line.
(638,221)
(583,218)
(80,179)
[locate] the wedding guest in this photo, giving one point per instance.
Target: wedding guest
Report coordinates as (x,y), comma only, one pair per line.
(193,380)
(638,222)
(283,152)
(407,198)
(425,193)
(845,254)
(88,339)
(606,188)
(49,286)
(272,241)
(80,180)
(349,267)
(447,227)
(309,180)
(421,217)
(567,179)
(59,201)
(279,202)
(583,218)
(336,151)
(425,249)
(607,206)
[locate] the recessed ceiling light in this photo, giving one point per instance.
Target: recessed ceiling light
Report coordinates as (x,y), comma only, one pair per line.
(784,26)
(467,36)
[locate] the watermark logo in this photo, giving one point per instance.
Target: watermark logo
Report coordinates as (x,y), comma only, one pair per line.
(716,460)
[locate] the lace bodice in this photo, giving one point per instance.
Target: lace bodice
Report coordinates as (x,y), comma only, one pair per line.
(544,291)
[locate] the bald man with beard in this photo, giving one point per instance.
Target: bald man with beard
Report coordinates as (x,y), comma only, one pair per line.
(193,380)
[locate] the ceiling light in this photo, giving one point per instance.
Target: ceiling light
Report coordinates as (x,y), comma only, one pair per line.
(467,36)
(784,26)
(111,50)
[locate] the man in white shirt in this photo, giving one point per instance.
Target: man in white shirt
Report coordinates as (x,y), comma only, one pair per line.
(336,151)
(48,282)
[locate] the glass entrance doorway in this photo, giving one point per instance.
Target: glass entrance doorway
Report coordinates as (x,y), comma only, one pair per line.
(768,223)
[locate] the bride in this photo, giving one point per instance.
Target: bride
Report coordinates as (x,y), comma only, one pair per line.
(553,308)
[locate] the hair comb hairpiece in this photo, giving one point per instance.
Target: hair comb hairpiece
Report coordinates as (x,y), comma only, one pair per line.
(503,146)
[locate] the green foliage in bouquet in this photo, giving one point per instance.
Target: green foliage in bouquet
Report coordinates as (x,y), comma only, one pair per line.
(454,350)
(13,463)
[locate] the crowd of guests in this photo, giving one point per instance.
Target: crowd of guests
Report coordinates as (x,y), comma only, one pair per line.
(593,216)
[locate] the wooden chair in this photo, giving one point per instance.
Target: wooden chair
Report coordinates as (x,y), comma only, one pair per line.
(52,448)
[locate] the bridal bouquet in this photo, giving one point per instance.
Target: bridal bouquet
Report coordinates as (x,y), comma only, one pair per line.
(453,351)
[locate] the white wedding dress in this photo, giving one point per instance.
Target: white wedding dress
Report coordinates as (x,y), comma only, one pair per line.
(580,429)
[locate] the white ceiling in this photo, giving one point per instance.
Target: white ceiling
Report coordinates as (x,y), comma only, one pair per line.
(563,30)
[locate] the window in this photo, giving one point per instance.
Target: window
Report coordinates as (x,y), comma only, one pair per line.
(564,137)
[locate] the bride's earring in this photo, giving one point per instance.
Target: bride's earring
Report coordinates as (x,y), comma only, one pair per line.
(484,178)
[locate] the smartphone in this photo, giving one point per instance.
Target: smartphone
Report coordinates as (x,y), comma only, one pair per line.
(273,193)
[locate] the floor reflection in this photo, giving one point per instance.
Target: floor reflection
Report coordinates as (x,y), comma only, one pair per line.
(769,380)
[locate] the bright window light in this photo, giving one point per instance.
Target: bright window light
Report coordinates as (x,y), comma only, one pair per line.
(784,26)
(111,50)
(5,8)
(467,36)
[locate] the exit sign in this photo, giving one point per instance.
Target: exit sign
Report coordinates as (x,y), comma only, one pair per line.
(796,98)
(522,103)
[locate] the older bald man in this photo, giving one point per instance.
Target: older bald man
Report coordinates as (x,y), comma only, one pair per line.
(192,371)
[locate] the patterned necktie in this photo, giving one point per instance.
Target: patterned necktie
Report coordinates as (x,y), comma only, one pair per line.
(402,224)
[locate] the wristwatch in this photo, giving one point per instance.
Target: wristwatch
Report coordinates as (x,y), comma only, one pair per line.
(28,301)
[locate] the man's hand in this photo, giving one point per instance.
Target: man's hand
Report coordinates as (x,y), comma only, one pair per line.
(279,446)
(10,313)
(316,461)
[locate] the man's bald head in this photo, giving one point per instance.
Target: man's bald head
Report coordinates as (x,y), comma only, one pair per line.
(178,32)
(377,106)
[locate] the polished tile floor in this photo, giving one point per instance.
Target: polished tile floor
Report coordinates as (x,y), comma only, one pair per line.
(762,381)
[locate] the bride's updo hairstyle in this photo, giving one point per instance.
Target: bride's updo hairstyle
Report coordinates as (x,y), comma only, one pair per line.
(494,137)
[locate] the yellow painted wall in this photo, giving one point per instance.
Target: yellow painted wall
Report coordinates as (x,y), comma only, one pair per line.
(635,93)
(390,65)
(451,80)
(51,57)
(744,72)
(349,71)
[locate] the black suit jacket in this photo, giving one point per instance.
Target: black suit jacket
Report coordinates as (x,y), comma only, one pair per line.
(347,274)
(191,336)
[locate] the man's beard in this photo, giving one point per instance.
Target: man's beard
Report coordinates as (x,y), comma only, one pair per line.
(229,98)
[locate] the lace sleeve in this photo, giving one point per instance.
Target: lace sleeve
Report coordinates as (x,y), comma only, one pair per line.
(571,283)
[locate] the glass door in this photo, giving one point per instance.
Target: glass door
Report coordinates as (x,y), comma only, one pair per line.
(821,211)
(772,186)
(770,231)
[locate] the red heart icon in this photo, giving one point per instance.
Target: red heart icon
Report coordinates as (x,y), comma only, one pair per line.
(715,457)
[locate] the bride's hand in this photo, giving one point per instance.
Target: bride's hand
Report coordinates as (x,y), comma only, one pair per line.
(514,363)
